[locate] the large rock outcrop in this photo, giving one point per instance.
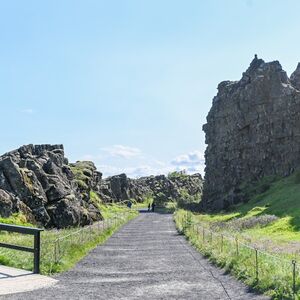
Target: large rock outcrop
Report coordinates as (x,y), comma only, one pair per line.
(37,181)
(252,131)
(162,188)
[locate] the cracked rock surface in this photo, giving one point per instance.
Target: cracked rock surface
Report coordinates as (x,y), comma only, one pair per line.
(252,131)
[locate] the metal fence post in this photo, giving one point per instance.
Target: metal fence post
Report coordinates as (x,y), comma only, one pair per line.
(294,276)
(186,219)
(55,251)
(222,242)
(90,231)
(237,246)
(256,265)
(37,251)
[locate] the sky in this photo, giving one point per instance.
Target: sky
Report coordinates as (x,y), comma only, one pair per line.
(128,83)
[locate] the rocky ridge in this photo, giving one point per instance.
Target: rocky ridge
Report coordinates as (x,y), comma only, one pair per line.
(252,131)
(39,182)
(161,187)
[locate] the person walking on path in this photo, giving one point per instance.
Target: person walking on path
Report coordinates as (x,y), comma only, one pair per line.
(153,206)
(149,207)
(129,204)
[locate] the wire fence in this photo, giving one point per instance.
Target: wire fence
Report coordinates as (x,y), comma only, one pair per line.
(258,268)
(56,246)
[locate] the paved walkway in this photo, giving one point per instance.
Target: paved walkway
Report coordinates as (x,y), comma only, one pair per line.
(16,281)
(146,259)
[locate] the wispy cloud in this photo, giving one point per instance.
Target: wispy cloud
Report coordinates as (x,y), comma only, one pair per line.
(189,159)
(122,151)
(134,172)
(138,164)
(192,162)
(28,111)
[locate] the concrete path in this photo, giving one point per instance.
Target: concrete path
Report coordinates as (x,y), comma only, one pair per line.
(16,281)
(146,259)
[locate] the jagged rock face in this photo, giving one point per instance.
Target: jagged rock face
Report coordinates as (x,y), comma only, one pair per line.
(120,187)
(86,177)
(252,131)
(37,181)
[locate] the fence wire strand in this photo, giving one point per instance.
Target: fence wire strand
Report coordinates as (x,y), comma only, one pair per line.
(245,259)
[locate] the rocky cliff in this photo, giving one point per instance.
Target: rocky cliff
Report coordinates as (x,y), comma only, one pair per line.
(252,131)
(161,188)
(39,182)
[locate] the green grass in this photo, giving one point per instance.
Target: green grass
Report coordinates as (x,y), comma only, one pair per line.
(16,219)
(69,250)
(144,204)
(282,199)
(276,198)
(274,275)
(108,210)
(83,171)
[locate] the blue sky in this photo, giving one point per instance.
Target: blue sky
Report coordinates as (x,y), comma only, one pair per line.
(128,84)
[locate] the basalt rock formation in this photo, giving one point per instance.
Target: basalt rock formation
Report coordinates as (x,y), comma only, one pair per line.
(37,181)
(252,131)
(162,188)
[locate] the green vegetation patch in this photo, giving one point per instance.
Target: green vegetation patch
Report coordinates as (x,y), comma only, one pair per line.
(83,171)
(61,249)
(270,274)
(268,221)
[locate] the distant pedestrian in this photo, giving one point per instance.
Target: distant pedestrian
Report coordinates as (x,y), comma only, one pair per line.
(129,204)
(149,207)
(153,206)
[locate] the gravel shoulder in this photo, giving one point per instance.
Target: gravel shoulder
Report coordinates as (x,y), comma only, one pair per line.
(145,259)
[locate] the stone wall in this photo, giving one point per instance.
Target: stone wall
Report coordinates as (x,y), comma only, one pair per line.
(252,131)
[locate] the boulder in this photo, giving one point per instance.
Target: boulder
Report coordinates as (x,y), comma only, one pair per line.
(35,180)
(6,204)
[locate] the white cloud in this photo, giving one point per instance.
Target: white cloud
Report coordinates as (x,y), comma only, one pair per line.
(29,111)
(190,159)
(109,170)
(122,151)
(192,162)
(132,172)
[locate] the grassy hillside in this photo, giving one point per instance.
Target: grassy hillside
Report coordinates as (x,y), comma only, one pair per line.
(281,199)
(268,222)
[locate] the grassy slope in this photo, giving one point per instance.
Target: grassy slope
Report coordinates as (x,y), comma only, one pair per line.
(282,199)
(280,237)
